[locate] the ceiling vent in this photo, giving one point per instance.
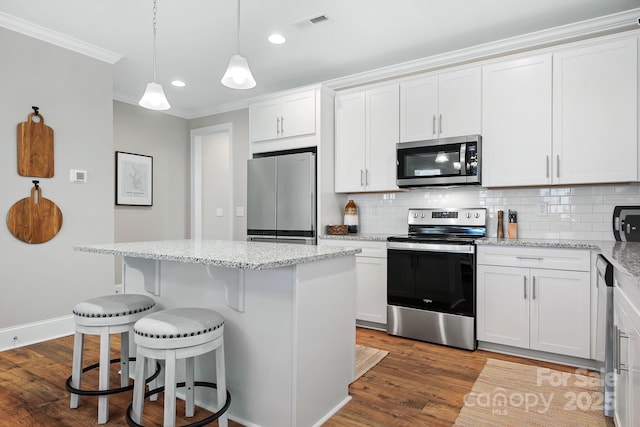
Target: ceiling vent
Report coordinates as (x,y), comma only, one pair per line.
(311,21)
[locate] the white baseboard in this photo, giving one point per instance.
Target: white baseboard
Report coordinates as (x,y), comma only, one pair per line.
(31,333)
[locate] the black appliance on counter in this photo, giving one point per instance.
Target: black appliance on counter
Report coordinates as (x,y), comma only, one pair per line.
(431,276)
(626,223)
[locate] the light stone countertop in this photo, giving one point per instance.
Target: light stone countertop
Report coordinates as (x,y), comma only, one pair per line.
(370,237)
(223,253)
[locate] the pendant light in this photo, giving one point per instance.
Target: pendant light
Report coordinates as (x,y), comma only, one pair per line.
(154,97)
(238,74)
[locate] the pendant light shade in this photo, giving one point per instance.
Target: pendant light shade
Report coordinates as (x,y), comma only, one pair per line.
(238,74)
(154,97)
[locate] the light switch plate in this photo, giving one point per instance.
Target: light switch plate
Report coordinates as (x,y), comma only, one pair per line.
(239,211)
(218,211)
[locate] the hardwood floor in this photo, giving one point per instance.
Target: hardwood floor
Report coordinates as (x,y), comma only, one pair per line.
(417,384)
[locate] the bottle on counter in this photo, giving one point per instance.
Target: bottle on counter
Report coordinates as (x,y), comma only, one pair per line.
(351,216)
(500,233)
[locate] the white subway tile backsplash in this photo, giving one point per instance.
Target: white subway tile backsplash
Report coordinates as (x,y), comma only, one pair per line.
(582,212)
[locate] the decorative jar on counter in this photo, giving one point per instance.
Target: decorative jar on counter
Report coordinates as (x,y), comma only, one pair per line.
(351,216)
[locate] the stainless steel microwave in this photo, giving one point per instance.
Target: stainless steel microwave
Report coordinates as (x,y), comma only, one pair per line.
(445,161)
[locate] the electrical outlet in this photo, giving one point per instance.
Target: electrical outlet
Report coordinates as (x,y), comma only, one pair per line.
(543,209)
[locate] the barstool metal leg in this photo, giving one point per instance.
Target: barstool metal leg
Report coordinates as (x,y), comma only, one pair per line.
(189,387)
(138,389)
(221,383)
(170,389)
(124,359)
(103,382)
(76,369)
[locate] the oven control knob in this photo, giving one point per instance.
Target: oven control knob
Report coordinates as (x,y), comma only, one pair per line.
(477,215)
(468,214)
(422,215)
(415,215)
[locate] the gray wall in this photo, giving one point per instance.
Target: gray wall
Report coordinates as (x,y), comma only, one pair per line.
(239,154)
(74,93)
(166,139)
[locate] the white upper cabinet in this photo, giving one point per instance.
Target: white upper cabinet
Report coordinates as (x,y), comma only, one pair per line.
(595,113)
(516,122)
(283,117)
(567,117)
(350,140)
(443,105)
(366,126)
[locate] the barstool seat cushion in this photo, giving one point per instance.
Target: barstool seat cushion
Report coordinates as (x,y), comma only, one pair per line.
(113,309)
(178,328)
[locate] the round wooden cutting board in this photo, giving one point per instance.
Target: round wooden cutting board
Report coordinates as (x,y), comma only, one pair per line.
(34,219)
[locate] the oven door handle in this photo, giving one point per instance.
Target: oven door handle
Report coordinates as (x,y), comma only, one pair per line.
(432,247)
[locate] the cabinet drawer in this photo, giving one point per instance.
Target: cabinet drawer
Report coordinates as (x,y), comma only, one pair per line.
(556,259)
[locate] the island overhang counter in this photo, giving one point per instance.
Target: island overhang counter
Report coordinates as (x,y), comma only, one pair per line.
(289,319)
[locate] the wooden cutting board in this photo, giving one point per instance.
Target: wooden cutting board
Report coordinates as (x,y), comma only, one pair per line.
(35,148)
(34,219)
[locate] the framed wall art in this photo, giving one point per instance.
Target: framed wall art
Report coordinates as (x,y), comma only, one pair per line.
(134,179)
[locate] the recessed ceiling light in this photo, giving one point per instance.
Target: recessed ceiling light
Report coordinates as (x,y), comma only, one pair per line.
(178,83)
(276,38)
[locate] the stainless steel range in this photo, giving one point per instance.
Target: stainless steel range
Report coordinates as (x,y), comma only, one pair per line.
(431,276)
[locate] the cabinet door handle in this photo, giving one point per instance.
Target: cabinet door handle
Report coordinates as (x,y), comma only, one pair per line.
(547,166)
(433,125)
(361,178)
(278,126)
(281,125)
(536,258)
(366,177)
(617,363)
(440,124)
(525,286)
(533,283)
(558,166)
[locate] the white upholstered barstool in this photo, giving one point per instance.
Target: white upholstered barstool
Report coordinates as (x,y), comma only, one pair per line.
(180,333)
(104,316)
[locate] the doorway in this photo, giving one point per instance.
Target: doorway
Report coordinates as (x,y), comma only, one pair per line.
(212,183)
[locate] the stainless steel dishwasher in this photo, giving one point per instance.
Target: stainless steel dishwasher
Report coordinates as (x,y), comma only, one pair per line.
(604,334)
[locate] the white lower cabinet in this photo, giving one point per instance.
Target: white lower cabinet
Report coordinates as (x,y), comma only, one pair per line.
(371,279)
(626,362)
(521,303)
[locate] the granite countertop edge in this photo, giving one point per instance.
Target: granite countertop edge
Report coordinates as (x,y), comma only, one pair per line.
(230,254)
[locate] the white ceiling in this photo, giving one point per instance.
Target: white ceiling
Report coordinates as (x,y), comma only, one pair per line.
(197,37)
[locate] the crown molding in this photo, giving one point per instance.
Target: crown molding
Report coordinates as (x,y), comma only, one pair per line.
(30,29)
(608,24)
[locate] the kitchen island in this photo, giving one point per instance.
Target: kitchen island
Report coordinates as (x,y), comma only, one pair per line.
(289,319)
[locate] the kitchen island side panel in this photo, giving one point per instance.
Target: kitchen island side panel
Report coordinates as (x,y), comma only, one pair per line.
(325,333)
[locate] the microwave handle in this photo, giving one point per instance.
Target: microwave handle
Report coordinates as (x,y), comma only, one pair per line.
(463,158)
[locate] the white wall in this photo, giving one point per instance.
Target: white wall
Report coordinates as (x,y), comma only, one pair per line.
(239,154)
(581,212)
(217,187)
(166,139)
(74,93)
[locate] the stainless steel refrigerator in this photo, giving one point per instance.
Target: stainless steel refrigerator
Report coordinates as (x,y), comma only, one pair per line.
(281,198)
